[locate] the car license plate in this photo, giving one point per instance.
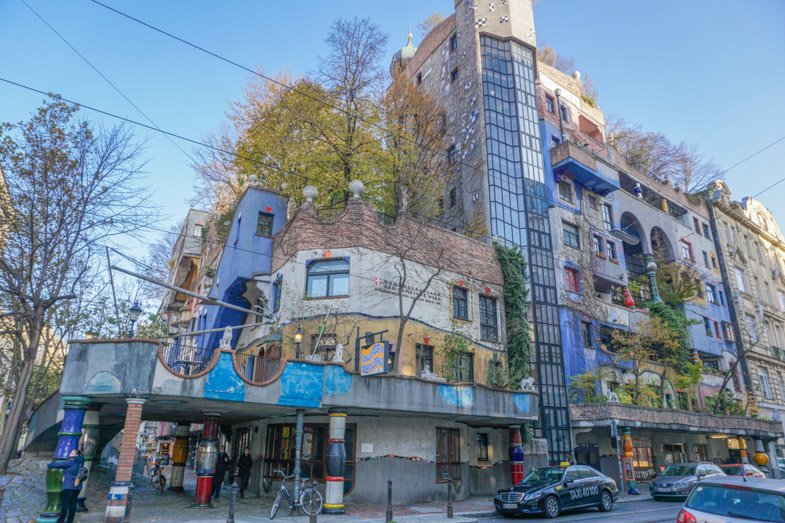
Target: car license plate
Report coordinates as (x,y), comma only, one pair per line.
(510,505)
(664,489)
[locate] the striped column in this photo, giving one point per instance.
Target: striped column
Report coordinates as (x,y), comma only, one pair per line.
(206,460)
(743,450)
(179,456)
(118,508)
(629,465)
(74,408)
(516,455)
(336,463)
(89,447)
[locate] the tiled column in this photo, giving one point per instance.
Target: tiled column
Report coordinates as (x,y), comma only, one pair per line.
(89,446)
(118,507)
(515,454)
(743,450)
(74,408)
(336,463)
(179,456)
(206,460)
(629,467)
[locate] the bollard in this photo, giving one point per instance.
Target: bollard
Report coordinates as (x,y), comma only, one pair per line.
(232,500)
(449,498)
(310,509)
(389,515)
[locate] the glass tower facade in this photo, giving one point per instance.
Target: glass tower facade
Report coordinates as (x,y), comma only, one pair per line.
(519,215)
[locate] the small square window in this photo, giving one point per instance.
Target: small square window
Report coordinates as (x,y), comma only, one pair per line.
(555,141)
(198,229)
(706,232)
(570,235)
(592,202)
(706,259)
(550,105)
(454,42)
(572,280)
(588,339)
(597,242)
(565,113)
(697,226)
(460,303)
(264,225)
(454,74)
(611,247)
(565,191)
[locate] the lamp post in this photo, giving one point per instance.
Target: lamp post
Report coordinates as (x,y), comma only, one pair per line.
(298,342)
(134,312)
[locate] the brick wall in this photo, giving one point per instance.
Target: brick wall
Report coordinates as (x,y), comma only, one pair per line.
(358,226)
(133,415)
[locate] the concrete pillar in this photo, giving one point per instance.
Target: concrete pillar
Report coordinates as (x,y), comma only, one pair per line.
(743,450)
(336,463)
(89,447)
(179,456)
(629,466)
(74,408)
(118,508)
(206,460)
(773,466)
(515,454)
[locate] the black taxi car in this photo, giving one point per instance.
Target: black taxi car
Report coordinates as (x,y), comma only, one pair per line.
(551,490)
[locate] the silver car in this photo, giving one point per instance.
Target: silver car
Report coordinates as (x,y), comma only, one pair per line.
(678,479)
(735,499)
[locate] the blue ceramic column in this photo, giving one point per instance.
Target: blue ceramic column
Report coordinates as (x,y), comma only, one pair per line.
(89,446)
(74,408)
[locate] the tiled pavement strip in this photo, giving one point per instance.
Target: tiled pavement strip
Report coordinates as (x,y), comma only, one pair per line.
(25,497)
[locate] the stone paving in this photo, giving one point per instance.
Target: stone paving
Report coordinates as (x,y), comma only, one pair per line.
(25,498)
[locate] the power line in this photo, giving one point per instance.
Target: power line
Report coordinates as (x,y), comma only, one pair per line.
(102,75)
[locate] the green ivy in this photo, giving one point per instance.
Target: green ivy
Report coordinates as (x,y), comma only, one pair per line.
(678,323)
(515,306)
(455,344)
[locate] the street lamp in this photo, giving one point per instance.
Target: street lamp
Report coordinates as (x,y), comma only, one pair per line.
(134,312)
(298,341)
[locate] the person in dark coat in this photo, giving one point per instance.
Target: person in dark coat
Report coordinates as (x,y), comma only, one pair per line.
(244,465)
(70,489)
(220,472)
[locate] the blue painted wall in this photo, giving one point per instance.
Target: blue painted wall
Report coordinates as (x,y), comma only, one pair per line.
(245,254)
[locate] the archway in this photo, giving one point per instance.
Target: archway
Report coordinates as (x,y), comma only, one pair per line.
(661,246)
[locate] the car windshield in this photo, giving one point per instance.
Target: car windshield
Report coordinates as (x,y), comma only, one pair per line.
(734,470)
(741,503)
(543,476)
(680,470)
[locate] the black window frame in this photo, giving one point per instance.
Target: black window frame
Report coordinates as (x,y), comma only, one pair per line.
(607,216)
(482,440)
(448,454)
(423,354)
(571,235)
(453,74)
(567,185)
(460,303)
(453,42)
(276,293)
(331,276)
(262,221)
(489,318)
(463,372)
(550,104)
(586,334)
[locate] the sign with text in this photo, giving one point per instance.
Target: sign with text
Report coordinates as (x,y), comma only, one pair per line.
(373,358)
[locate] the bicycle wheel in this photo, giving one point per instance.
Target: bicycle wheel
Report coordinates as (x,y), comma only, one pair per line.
(162,483)
(154,481)
(311,497)
(276,504)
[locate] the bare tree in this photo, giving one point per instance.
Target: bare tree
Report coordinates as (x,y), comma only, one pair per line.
(549,56)
(430,21)
(71,189)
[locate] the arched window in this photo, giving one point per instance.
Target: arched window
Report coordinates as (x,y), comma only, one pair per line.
(328,278)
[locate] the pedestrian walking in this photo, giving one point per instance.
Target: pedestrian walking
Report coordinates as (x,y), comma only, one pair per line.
(244,465)
(71,480)
(220,472)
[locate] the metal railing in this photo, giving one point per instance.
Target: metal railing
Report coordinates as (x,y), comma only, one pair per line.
(183,359)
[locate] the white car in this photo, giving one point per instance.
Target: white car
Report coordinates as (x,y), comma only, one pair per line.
(735,499)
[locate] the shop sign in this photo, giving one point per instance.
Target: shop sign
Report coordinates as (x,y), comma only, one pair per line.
(374,358)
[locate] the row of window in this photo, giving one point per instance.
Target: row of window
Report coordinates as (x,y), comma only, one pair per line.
(721,331)
(601,246)
(701,228)
(567,194)
(463,369)
(765,384)
(489,329)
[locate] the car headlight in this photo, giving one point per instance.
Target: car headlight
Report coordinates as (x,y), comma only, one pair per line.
(683,483)
(533,496)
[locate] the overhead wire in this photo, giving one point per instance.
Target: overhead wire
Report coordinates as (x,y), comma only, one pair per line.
(106,79)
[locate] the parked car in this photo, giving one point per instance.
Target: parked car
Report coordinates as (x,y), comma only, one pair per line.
(742,469)
(677,480)
(551,490)
(734,499)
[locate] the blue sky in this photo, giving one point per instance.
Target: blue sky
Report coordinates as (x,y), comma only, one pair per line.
(709,72)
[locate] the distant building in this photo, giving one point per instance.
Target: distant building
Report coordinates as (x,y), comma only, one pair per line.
(753,258)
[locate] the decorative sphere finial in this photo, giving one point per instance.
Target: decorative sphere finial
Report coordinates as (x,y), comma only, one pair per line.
(357,187)
(310,192)
(651,266)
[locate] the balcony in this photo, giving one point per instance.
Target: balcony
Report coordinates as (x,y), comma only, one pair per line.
(601,414)
(571,159)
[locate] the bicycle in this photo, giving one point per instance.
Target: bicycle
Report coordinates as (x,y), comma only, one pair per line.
(157,478)
(310,498)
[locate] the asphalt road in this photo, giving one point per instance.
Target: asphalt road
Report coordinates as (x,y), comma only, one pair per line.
(644,511)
